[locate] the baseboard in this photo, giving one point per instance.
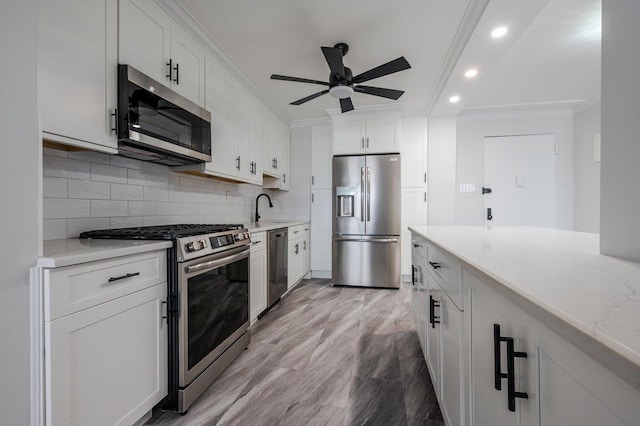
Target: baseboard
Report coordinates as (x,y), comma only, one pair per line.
(321,274)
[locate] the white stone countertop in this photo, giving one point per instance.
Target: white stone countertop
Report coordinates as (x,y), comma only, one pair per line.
(561,279)
(269,225)
(58,253)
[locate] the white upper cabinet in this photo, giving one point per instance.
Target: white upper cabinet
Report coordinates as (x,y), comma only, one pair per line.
(152,42)
(321,165)
(77,72)
(414,156)
(375,136)
(276,155)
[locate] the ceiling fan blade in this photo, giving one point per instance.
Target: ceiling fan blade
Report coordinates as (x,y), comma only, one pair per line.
(299,80)
(346,105)
(333,55)
(308,98)
(379,91)
(396,65)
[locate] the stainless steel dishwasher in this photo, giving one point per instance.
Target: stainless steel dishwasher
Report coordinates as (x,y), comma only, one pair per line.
(277,260)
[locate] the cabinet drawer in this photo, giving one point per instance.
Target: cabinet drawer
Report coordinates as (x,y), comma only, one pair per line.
(420,246)
(298,231)
(447,268)
(74,288)
(258,241)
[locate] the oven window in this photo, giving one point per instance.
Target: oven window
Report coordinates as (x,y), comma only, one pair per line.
(151,115)
(218,306)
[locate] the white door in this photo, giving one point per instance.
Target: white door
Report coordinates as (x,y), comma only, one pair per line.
(521,173)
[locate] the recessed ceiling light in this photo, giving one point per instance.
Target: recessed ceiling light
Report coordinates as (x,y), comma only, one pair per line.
(454,99)
(499,32)
(470,73)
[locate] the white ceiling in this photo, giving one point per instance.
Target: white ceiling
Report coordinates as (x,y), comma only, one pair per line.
(551,55)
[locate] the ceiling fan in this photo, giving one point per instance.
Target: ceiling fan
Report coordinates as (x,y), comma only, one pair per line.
(342,83)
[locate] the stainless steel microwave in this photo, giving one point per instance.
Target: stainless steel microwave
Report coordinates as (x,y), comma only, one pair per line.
(156,124)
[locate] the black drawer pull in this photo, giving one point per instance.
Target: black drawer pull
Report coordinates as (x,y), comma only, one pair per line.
(433,318)
(122,277)
(435,265)
(413,275)
(510,375)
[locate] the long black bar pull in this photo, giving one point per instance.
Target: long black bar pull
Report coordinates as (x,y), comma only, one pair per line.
(497,367)
(511,375)
(433,318)
(489,215)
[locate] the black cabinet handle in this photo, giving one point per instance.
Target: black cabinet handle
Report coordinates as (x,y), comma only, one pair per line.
(489,215)
(114,114)
(122,277)
(510,375)
(497,367)
(433,318)
(416,245)
(177,68)
(170,66)
(435,265)
(413,275)
(238,162)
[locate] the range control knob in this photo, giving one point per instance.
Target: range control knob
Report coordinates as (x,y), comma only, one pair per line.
(195,245)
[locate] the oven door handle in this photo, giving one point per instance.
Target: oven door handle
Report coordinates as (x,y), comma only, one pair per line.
(213,264)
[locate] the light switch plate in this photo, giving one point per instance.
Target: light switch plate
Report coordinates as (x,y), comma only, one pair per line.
(468,187)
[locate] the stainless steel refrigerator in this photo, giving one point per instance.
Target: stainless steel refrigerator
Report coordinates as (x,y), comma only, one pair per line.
(366,221)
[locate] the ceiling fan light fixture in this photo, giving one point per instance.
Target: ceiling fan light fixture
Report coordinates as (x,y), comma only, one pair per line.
(341,91)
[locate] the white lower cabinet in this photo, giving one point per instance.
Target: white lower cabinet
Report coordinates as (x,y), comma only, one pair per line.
(491,363)
(107,364)
(257,275)
(105,339)
(298,254)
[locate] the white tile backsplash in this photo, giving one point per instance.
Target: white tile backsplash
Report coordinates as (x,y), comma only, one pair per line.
(109,208)
(87,190)
(53,187)
(106,173)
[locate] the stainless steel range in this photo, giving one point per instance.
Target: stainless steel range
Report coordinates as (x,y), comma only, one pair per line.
(207,302)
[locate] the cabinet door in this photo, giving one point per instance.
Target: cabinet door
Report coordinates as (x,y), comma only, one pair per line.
(246,168)
(145,38)
(258,283)
(276,144)
(187,56)
(321,154)
(284,158)
(349,138)
(77,71)
(414,155)
(292,263)
(304,252)
(268,163)
(321,230)
(224,149)
(451,360)
(107,364)
(489,406)
(255,141)
(382,136)
(431,292)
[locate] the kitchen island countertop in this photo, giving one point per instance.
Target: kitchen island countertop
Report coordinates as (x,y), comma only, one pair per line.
(559,278)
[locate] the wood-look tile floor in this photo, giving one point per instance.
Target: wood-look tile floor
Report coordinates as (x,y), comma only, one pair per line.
(324,356)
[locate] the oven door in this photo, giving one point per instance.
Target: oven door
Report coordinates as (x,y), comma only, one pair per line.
(214,308)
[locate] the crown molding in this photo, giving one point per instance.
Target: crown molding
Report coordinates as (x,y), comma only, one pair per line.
(312,122)
(467,26)
(502,112)
(191,25)
(586,105)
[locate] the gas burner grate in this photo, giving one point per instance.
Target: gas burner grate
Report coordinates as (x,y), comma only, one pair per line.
(160,232)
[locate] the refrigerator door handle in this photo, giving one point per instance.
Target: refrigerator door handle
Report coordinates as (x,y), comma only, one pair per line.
(362,192)
(368,194)
(369,240)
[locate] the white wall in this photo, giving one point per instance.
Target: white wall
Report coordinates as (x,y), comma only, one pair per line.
(470,159)
(296,203)
(86,190)
(19,183)
(586,184)
(441,171)
(620,198)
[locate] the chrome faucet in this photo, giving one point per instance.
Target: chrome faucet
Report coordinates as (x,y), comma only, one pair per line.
(257,198)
